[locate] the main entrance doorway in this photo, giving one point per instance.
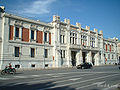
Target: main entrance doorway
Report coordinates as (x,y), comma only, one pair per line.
(73,57)
(84,57)
(93,58)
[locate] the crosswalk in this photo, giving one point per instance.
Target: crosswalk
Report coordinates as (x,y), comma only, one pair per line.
(57,80)
(18,77)
(56,75)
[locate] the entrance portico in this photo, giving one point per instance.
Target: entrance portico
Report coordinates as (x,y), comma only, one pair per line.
(82,56)
(76,57)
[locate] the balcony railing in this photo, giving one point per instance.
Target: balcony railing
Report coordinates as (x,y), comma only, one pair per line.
(75,46)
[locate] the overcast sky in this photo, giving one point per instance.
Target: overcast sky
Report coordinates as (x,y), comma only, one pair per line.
(100,14)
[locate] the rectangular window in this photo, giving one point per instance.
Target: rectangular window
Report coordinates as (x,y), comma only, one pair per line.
(70,40)
(46,53)
(17,66)
(45,37)
(112,56)
(63,38)
(11,31)
(16,32)
(63,53)
(73,40)
(60,38)
(32,52)
(32,65)
(108,56)
(17,51)
(32,34)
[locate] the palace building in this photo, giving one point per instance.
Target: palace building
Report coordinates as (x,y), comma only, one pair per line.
(27,43)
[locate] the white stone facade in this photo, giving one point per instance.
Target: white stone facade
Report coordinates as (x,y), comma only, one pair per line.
(61,45)
(118,50)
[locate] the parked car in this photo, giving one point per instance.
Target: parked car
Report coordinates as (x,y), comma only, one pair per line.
(84,66)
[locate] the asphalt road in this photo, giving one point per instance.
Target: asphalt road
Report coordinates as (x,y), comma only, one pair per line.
(98,78)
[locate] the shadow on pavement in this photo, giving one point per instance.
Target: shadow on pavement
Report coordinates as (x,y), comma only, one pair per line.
(38,86)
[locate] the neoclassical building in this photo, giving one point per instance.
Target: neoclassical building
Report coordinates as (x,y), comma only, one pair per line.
(27,43)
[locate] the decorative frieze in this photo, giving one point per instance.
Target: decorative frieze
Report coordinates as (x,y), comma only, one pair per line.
(18,23)
(33,26)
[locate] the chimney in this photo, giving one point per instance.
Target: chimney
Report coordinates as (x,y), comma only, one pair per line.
(95,30)
(101,32)
(87,27)
(67,21)
(56,18)
(78,24)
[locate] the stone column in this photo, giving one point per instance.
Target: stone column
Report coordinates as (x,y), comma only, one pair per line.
(102,58)
(78,61)
(81,57)
(88,40)
(96,42)
(89,57)
(29,34)
(68,56)
(35,36)
(20,33)
(97,58)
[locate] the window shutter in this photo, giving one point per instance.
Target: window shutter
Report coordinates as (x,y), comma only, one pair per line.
(11,32)
(39,36)
(25,34)
(49,38)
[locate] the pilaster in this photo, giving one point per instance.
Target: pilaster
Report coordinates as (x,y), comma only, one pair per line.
(35,35)
(81,57)
(20,32)
(89,56)
(97,58)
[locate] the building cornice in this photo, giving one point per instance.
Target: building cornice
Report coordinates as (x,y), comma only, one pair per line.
(110,40)
(27,20)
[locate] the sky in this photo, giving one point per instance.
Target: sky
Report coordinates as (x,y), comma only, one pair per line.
(100,14)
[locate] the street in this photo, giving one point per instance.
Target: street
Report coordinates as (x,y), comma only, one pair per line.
(97,78)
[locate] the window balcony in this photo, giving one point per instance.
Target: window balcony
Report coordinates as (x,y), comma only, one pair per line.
(94,48)
(86,47)
(75,46)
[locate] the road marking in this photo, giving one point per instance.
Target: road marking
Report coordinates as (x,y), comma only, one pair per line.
(14,84)
(20,76)
(4,78)
(59,78)
(53,75)
(97,83)
(50,74)
(35,75)
(86,72)
(74,79)
(57,86)
(111,87)
(55,82)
